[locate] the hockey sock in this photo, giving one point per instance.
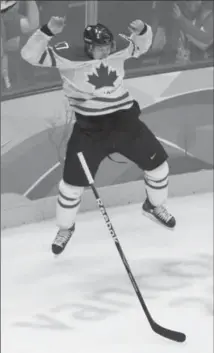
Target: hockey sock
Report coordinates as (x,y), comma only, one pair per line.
(156,184)
(68,204)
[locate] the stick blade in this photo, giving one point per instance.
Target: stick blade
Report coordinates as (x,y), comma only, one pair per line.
(170,334)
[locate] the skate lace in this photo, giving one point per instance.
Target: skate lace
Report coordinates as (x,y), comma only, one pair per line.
(62,237)
(162,213)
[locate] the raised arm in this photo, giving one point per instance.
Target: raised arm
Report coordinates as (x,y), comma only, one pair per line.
(30,22)
(37,50)
(140,39)
(201,37)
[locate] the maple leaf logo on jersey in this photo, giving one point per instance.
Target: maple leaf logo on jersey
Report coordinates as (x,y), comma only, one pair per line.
(103,77)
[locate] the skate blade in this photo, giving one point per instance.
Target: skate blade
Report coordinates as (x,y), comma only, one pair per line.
(155,220)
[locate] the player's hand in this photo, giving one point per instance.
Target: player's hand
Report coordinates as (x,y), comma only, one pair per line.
(56,24)
(159,40)
(136,26)
(176,12)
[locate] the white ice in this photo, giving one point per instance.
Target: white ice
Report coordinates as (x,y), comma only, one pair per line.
(83,301)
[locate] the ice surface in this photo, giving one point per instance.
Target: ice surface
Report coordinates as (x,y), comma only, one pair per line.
(83,301)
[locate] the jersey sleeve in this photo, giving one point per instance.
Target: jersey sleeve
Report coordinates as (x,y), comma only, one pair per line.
(138,44)
(38,52)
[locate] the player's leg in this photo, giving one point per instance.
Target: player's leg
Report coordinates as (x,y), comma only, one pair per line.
(146,151)
(71,187)
(68,203)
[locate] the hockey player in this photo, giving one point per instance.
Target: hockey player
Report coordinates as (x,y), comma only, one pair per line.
(107,117)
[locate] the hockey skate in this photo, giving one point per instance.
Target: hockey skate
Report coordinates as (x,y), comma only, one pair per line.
(62,238)
(158,213)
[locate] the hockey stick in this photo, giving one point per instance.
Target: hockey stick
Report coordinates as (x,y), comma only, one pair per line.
(172,335)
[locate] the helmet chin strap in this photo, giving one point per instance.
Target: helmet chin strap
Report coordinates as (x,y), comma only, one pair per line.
(88,50)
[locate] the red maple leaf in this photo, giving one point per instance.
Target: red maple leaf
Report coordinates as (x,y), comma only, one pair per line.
(103,78)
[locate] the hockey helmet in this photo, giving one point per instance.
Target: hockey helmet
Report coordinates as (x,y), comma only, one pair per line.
(97,35)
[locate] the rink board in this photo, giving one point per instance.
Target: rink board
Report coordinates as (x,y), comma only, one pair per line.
(25,211)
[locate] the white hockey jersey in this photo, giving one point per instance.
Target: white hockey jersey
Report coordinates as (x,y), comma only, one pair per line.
(92,87)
